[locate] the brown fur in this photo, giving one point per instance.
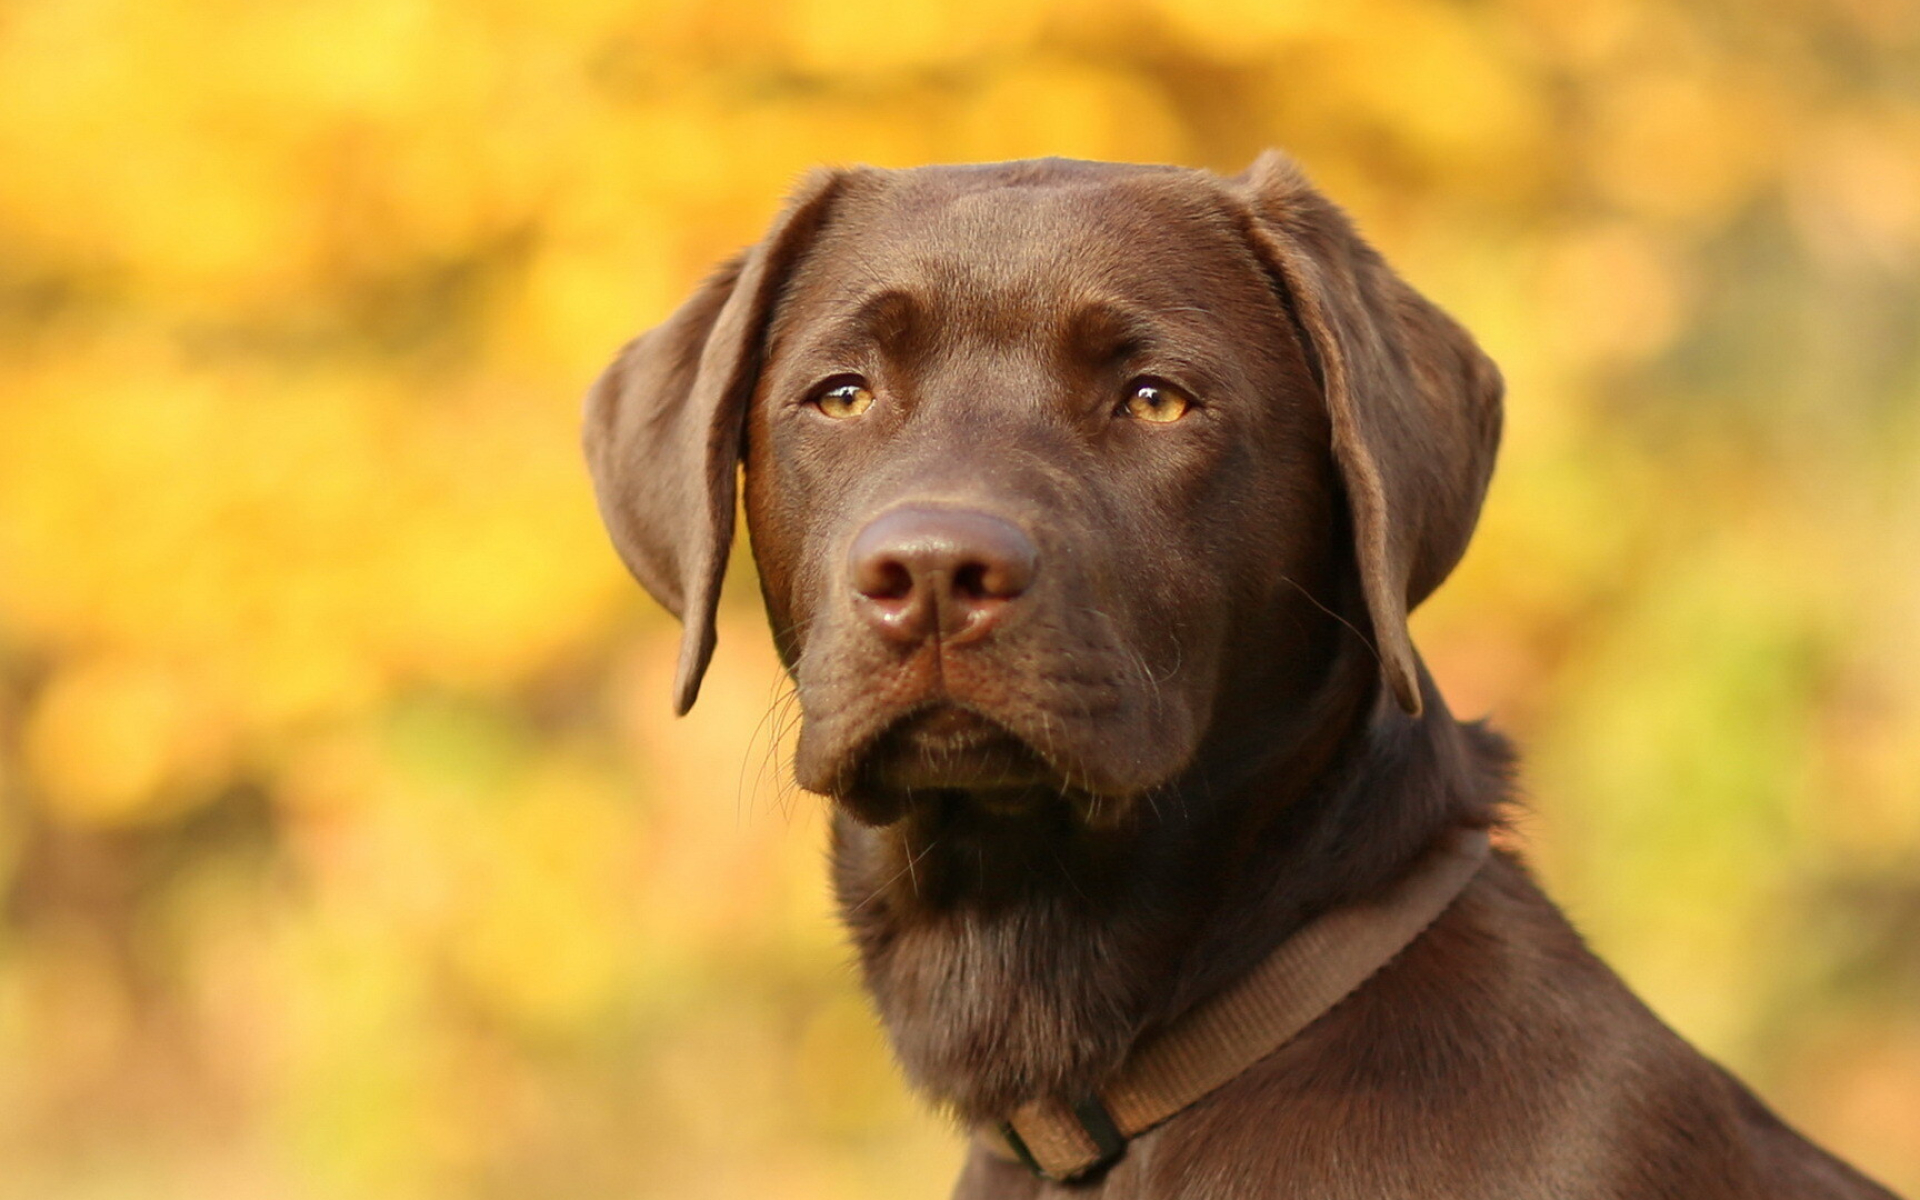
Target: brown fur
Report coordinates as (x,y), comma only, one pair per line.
(1114,707)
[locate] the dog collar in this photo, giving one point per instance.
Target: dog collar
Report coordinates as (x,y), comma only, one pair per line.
(1222,1036)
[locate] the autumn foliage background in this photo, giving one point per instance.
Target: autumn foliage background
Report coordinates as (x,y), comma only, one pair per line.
(347,846)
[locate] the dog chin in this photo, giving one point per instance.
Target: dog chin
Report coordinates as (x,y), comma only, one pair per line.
(940,754)
(948,747)
(938,749)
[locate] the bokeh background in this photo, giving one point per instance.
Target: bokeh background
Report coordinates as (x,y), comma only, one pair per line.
(347,846)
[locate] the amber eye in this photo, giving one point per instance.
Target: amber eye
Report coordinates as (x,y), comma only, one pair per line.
(844,400)
(1161,403)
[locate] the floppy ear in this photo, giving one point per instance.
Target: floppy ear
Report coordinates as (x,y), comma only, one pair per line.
(1414,404)
(664,423)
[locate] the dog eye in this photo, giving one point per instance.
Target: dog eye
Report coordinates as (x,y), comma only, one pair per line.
(844,400)
(1161,403)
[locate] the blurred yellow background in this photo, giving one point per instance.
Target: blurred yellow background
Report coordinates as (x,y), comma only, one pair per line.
(347,846)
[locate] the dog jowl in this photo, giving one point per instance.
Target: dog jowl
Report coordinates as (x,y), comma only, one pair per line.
(1089,502)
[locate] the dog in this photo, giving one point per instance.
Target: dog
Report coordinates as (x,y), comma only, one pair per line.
(1089,502)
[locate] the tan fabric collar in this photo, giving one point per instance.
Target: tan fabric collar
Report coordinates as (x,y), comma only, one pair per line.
(1292,987)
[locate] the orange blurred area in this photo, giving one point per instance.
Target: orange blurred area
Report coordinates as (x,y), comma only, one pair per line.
(347,843)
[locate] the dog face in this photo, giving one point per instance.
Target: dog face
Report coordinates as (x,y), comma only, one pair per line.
(1022,457)
(1027,447)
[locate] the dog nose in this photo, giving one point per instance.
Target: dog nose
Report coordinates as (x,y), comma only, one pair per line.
(917,572)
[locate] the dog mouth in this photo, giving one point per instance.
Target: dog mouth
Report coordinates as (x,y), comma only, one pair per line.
(882,739)
(948,747)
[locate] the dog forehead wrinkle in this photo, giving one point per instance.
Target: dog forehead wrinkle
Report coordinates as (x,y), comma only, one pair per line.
(927,235)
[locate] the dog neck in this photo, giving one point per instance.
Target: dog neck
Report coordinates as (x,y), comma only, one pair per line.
(1015,956)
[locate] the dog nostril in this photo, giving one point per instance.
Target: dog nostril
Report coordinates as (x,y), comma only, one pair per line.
(970,581)
(884,579)
(976,581)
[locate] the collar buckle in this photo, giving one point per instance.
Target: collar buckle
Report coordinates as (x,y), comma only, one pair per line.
(1099,1126)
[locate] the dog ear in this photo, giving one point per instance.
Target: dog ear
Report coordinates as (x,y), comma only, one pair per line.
(664,425)
(1414,404)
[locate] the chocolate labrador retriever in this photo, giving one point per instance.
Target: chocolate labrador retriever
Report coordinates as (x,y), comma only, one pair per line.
(1089,502)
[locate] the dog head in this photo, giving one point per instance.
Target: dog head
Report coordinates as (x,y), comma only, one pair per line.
(1029,448)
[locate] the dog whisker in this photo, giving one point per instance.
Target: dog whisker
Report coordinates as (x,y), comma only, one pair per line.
(1315,601)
